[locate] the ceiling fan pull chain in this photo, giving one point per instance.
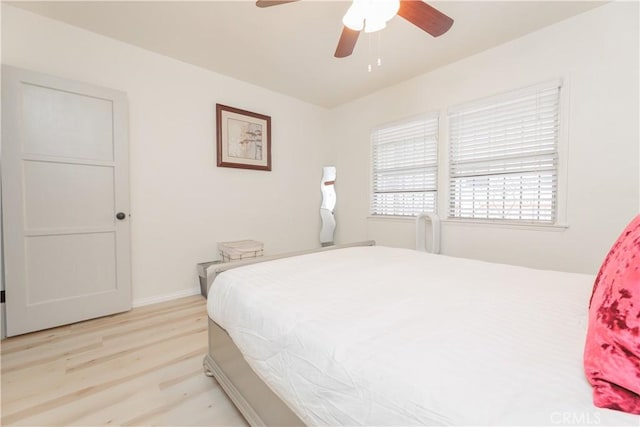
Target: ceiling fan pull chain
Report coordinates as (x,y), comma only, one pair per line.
(377,57)
(369,51)
(379,49)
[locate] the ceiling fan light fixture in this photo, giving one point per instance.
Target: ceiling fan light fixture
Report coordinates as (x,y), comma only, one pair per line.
(372,15)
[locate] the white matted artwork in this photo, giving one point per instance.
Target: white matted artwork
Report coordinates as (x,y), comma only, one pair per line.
(243,138)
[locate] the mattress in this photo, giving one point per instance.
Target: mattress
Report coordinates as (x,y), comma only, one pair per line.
(387,336)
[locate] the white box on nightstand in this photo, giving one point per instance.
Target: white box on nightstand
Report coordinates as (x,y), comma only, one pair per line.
(241,249)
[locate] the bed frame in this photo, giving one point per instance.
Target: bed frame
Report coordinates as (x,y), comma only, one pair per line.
(254,399)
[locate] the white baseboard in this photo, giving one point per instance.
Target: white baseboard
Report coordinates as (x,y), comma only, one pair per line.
(167,297)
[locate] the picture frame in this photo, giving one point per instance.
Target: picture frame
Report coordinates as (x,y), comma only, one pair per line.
(243,139)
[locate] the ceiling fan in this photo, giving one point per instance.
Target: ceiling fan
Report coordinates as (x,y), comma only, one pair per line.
(372,15)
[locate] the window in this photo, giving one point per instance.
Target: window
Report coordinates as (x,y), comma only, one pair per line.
(405,157)
(503,162)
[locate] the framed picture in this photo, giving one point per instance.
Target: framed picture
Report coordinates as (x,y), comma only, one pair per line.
(244,139)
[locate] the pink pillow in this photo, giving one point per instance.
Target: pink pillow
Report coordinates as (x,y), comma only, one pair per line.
(612,350)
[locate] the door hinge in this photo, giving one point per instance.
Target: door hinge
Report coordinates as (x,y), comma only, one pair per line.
(2,296)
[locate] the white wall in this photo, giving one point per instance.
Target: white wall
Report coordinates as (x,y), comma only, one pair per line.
(181,203)
(597,53)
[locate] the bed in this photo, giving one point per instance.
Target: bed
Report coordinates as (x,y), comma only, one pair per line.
(371,335)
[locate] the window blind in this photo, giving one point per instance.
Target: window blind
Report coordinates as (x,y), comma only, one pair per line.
(504,157)
(405,157)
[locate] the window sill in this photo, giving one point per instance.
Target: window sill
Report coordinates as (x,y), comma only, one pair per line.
(476,223)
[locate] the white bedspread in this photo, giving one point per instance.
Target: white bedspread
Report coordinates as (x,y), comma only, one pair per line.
(383,336)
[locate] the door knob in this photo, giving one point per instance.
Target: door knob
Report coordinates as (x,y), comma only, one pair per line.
(121,216)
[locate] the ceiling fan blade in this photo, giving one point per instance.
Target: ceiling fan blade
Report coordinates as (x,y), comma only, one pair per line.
(425,17)
(347,42)
(269,3)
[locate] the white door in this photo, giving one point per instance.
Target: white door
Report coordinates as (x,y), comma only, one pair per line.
(65,201)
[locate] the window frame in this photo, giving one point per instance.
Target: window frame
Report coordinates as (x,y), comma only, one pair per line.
(444,142)
(560,222)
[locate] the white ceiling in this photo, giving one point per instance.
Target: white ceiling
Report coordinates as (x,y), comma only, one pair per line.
(289,48)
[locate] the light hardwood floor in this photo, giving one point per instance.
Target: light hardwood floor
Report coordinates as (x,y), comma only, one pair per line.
(143,367)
